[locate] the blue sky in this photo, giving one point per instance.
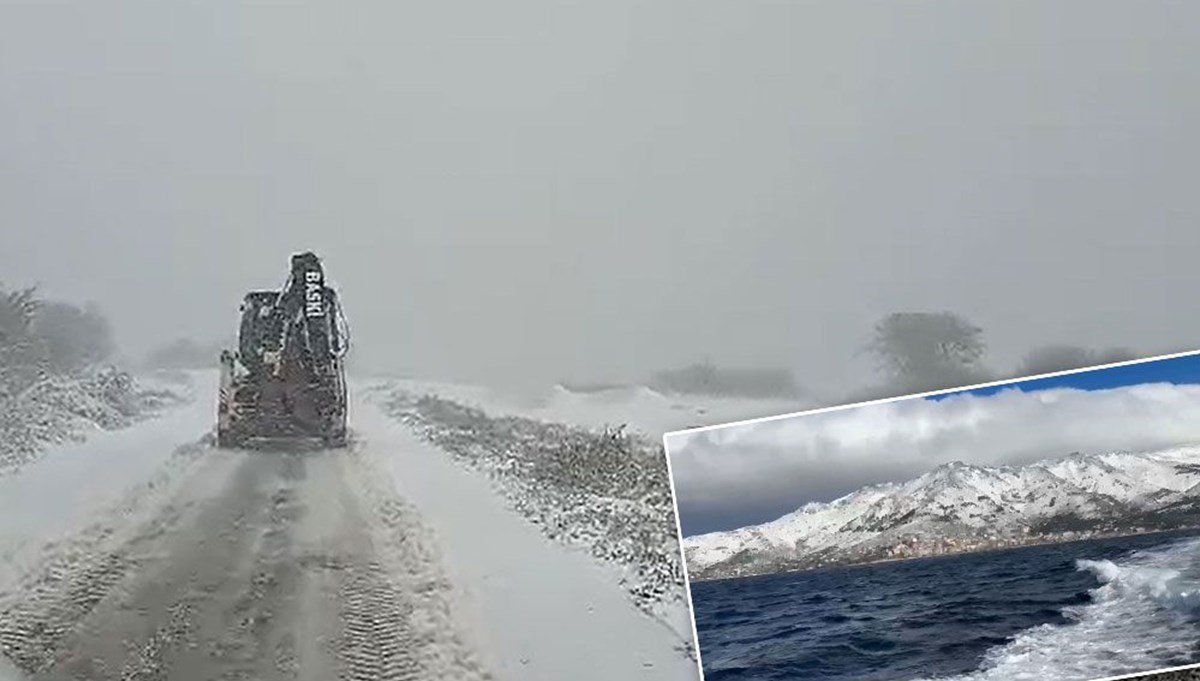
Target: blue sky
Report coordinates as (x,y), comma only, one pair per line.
(1176,370)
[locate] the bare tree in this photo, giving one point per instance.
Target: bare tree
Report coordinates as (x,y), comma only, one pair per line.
(928,350)
(17,309)
(74,337)
(22,354)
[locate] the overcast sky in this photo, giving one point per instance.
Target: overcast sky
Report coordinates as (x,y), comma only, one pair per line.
(747,474)
(546,189)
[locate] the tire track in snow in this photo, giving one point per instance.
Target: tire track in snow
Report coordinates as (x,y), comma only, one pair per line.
(75,575)
(270,566)
(396,615)
(377,642)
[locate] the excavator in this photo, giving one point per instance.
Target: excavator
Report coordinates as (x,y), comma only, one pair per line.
(285,382)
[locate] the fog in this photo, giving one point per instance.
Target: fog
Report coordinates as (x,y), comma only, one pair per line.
(538,190)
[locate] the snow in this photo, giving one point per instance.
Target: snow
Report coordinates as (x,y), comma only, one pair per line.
(534,608)
(62,409)
(1001,498)
(648,411)
(543,611)
(60,493)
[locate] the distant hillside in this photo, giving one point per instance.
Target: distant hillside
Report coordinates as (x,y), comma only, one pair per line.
(960,507)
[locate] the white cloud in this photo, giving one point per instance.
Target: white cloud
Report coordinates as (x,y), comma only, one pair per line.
(774,466)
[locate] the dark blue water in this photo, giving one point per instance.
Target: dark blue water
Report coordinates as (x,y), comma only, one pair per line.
(922,618)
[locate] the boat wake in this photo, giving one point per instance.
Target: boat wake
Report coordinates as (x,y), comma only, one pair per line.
(1143,615)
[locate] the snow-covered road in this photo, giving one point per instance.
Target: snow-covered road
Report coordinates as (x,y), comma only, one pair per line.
(544,611)
(145,553)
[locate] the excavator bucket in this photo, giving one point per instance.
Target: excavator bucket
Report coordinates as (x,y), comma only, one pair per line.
(286,380)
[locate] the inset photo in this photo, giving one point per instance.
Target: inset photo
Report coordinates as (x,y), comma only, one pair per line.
(1038,529)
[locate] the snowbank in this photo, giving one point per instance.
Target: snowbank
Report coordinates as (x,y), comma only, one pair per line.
(80,472)
(69,484)
(60,409)
(563,461)
(606,492)
(543,611)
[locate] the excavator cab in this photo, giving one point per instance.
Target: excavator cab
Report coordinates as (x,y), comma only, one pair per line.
(286,379)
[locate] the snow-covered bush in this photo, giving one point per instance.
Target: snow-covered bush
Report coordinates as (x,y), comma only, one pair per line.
(53,384)
(605,490)
(58,409)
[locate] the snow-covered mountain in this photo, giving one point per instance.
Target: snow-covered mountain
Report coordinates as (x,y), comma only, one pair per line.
(959,504)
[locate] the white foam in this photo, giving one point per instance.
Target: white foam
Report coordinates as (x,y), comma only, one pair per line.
(1139,620)
(1166,586)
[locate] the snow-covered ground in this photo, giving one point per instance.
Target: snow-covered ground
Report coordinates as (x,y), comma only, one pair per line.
(85,472)
(60,493)
(615,533)
(647,411)
(528,607)
(964,499)
(61,409)
(542,610)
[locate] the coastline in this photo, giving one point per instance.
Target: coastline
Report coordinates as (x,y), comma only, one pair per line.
(1040,541)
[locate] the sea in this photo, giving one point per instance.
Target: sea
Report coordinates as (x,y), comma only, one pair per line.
(1062,612)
